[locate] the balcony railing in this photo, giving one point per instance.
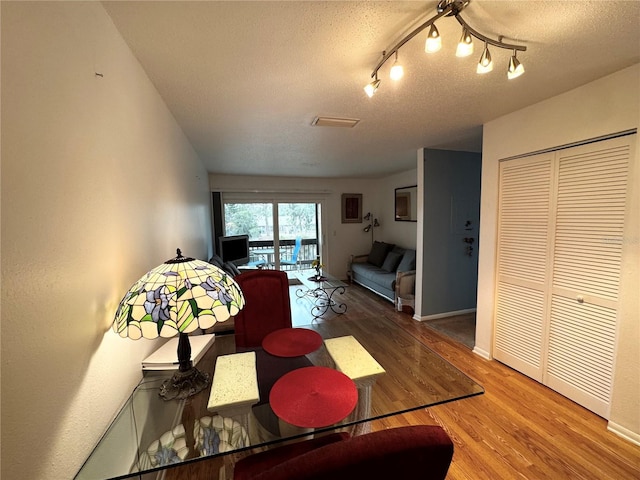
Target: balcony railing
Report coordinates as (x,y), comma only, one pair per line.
(307,254)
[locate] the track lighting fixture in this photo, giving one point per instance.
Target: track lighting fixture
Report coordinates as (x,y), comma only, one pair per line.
(450,8)
(485,65)
(434,42)
(515,67)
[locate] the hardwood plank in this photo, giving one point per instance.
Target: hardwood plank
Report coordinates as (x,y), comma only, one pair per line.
(518,429)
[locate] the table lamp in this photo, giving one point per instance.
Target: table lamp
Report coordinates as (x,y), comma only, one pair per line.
(178,297)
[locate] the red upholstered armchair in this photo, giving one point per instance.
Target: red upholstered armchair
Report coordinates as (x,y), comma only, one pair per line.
(267,306)
(418,451)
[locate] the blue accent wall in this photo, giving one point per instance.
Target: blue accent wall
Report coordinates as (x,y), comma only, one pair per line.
(451,214)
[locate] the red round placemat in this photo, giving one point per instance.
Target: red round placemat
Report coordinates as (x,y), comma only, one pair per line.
(313,397)
(291,342)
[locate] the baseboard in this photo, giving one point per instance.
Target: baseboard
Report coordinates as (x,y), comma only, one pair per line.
(625,433)
(445,314)
(483,353)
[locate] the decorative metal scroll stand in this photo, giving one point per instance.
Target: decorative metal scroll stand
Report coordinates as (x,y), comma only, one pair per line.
(322,297)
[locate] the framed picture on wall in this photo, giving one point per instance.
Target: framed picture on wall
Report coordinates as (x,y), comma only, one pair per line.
(351,208)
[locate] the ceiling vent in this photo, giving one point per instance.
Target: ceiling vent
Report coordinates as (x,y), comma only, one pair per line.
(334,122)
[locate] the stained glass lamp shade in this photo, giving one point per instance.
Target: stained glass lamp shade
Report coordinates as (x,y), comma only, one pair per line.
(177,298)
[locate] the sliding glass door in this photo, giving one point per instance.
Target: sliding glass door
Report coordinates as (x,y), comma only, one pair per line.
(282,235)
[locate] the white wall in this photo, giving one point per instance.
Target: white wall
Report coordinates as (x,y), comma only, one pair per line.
(340,239)
(605,106)
(98,186)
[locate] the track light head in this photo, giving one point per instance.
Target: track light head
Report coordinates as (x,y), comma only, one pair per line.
(434,42)
(485,65)
(465,45)
(515,67)
(371,88)
(397,72)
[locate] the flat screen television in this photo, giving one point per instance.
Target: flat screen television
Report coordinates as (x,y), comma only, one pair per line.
(234,249)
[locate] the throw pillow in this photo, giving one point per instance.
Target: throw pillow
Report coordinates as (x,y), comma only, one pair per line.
(231,269)
(378,253)
(408,261)
(216,260)
(391,262)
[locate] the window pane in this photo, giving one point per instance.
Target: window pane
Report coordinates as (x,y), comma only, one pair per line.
(297,220)
(253,219)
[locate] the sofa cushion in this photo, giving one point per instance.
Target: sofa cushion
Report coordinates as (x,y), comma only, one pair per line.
(375,274)
(378,253)
(408,261)
(391,262)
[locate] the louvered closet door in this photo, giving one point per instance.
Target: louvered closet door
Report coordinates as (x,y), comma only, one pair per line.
(591,193)
(524,206)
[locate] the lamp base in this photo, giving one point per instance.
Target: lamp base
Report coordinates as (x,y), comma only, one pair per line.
(184,384)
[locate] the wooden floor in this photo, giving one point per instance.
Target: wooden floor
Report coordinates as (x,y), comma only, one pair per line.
(518,429)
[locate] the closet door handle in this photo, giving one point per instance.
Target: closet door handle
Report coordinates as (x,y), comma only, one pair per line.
(580,299)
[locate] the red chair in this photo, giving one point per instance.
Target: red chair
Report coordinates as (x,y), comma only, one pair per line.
(418,451)
(267,306)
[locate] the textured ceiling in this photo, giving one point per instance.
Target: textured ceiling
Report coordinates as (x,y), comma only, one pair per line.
(245,79)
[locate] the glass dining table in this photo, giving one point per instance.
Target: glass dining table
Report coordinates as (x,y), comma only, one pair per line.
(392,371)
